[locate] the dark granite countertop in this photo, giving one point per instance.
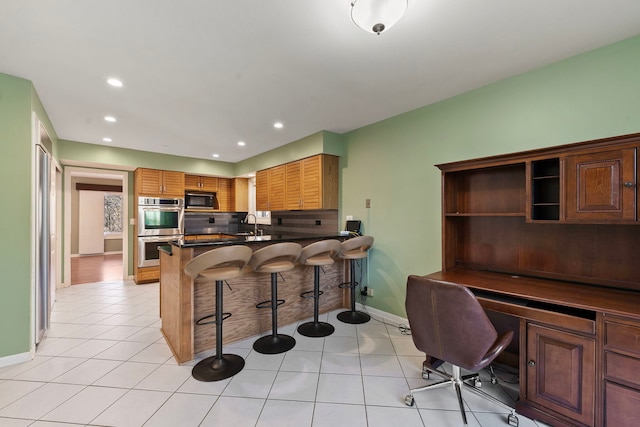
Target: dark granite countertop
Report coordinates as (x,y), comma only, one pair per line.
(227,239)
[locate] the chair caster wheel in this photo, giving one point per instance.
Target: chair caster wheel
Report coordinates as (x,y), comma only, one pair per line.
(512,420)
(409,400)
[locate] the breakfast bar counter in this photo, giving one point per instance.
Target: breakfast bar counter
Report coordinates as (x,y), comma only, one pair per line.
(182,301)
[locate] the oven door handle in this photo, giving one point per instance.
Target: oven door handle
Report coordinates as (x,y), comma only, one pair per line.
(152,239)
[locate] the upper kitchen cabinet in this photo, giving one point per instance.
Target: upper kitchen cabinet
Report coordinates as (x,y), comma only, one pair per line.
(201,183)
(319,182)
(602,186)
(159,183)
(270,189)
(310,183)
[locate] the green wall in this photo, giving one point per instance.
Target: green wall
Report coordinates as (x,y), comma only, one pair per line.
(586,97)
(17,100)
(15,140)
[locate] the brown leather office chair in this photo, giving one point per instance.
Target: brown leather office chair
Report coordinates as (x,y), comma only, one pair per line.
(449,324)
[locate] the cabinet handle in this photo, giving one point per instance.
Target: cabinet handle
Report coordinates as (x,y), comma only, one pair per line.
(628,184)
(531,363)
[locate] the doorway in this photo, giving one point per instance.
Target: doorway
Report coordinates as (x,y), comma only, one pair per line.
(108,261)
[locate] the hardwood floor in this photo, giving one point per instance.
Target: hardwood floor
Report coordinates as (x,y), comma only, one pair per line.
(96,268)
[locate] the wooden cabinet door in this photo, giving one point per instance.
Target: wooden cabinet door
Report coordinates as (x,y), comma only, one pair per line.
(224,194)
(209,183)
(192,182)
(561,372)
(292,178)
(621,405)
(277,188)
(240,194)
(173,184)
(601,186)
(262,190)
(312,182)
(149,182)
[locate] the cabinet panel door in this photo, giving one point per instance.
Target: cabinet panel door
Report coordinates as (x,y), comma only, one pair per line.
(174,184)
(561,372)
(192,182)
(224,194)
(602,186)
(292,171)
(209,183)
(312,183)
(149,182)
(621,405)
(262,190)
(277,188)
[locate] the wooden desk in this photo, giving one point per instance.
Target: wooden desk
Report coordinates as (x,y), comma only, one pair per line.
(579,351)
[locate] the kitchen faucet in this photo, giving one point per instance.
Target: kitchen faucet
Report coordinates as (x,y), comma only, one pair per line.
(255,223)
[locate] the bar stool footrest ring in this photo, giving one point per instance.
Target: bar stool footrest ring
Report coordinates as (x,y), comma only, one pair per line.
(348,285)
(267,304)
(310,294)
(201,321)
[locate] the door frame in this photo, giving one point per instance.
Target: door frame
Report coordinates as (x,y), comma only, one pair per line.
(71,172)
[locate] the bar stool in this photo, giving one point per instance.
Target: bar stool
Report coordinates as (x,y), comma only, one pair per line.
(218,265)
(317,254)
(353,249)
(274,259)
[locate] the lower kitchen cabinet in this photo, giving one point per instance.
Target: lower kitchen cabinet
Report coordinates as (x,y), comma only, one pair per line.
(560,373)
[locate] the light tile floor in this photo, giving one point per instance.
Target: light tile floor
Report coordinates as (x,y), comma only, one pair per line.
(104,362)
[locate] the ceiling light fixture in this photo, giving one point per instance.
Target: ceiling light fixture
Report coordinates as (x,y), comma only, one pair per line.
(110,118)
(241,143)
(376,16)
(278,125)
(216,155)
(107,139)
(114,82)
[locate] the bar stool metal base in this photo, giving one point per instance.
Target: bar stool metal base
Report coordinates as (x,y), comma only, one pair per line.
(316,329)
(215,369)
(353,317)
(274,344)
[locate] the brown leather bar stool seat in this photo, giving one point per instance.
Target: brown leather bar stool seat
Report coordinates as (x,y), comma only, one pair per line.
(352,250)
(216,266)
(317,254)
(274,259)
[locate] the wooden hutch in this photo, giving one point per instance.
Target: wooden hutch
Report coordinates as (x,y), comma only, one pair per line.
(551,238)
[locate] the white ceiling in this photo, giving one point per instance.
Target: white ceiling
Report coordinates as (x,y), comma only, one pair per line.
(201,75)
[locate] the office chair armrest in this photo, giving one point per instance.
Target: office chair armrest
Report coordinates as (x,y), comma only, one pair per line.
(498,346)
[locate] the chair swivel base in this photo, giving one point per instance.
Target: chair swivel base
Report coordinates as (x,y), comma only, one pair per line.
(353,317)
(216,369)
(316,329)
(274,344)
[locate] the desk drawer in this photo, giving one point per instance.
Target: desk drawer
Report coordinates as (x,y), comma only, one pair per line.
(622,337)
(623,369)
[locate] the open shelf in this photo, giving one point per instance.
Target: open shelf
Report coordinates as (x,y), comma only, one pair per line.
(545,190)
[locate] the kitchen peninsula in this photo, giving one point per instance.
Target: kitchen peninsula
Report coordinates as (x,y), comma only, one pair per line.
(182,301)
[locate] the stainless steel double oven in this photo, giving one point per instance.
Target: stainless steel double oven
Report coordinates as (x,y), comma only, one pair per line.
(160,220)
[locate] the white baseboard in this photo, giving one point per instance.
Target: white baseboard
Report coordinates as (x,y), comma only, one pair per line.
(383,315)
(14,359)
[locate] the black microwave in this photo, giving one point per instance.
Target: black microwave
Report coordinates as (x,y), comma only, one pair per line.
(200,201)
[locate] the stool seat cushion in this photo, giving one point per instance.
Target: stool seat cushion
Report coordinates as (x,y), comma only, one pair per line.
(320,253)
(275,258)
(222,263)
(356,247)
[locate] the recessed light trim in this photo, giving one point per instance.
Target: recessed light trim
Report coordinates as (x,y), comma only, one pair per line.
(114,82)
(216,155)
(278,125)
(241,143)
(106,139)
(110,119)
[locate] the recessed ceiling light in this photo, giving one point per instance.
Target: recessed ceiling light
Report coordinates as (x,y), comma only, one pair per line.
(216,155)
(241,143)
(115,82)
(278,125)
(107,139)
(110,118)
